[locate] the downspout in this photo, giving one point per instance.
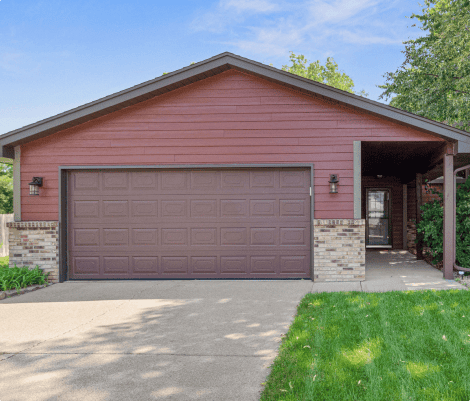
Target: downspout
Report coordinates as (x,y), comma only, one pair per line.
(455,218)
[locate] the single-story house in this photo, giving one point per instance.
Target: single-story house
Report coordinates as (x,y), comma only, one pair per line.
(227,168)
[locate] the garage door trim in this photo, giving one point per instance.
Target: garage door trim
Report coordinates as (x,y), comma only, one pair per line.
(63,170)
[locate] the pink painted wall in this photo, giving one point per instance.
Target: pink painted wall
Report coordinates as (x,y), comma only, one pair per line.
(229,118)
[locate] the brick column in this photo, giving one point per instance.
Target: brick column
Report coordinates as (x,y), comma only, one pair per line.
(339,250)
(35,243)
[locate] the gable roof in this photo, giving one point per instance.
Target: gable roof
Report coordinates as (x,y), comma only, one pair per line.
(210,67)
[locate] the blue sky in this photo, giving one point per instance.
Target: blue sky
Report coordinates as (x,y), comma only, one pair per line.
(56,55)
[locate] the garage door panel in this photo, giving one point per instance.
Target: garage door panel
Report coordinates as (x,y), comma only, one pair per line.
(145,237)
(234,208)
(115,181)
(204,265)
(294,236)
(144,181)
(233,236)
(145,265)
(174,180)
(175,265)
(263,236)
(193,265)
(203,236)
(294,179)
(115,266)
(115,208)
(263,208)
(263,179)
(203,208)
(293,264)
(174,236)
(86,237)
(204,180)
(86,209)
(264,264)
(235,180)
(144,208)
(86,182)
(85,265)
(186,224)
(115,237)
(233,265)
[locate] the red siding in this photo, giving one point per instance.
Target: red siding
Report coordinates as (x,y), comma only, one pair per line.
(230,118)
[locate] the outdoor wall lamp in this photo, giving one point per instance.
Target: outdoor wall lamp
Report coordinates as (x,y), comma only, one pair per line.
(334,182)
(34,185)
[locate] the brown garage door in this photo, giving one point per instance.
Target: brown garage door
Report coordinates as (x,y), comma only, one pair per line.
(227,223)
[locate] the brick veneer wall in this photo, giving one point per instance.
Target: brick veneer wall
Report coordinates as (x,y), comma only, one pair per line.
(411,235)
(339,249)
(35,243)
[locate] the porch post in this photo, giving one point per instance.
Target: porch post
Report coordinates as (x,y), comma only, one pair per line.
(405,216)
(419,202)
(17,184)
(357,179)
(449,230)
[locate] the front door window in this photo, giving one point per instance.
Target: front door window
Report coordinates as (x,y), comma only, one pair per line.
(378,217)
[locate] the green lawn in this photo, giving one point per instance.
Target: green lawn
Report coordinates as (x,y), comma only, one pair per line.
(412,345)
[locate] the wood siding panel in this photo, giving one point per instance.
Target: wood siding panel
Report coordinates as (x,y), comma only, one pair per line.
(229,118)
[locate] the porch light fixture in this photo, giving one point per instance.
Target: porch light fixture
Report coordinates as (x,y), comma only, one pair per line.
(334,182)
(34,185)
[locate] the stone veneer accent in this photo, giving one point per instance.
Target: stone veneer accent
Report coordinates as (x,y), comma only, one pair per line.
(35,243)
(339,250)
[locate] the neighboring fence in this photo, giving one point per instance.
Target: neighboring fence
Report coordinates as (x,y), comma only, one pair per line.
(4,219)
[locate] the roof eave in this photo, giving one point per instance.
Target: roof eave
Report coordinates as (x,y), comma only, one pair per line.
(203,69)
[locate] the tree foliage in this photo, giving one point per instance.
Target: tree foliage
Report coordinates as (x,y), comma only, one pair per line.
(328,74)
(6,188)
(434,79)
(432,224)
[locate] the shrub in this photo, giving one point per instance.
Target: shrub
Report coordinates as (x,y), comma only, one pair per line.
(432,225)
(20,277)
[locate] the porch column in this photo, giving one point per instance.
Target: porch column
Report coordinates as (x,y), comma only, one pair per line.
(449,229)
(419,202)
(357,179)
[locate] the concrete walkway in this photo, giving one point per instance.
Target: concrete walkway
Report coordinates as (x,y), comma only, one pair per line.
(394,271)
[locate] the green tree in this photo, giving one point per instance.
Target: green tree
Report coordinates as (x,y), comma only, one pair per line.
(434,79)
(328,74)
(6,188)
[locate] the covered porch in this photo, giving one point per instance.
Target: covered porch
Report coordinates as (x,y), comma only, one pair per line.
(388,194)
(393,270)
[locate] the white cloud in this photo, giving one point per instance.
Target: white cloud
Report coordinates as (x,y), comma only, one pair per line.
(272,28)
(339,10)
(252,6)
(365,38)
(229,12)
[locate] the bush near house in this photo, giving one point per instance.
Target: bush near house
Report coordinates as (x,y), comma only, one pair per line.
(432,223)
(19,277)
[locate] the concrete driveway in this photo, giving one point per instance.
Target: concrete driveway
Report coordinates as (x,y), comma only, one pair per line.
(144,340)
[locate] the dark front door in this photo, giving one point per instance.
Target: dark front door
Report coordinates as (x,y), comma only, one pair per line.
(378,218)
